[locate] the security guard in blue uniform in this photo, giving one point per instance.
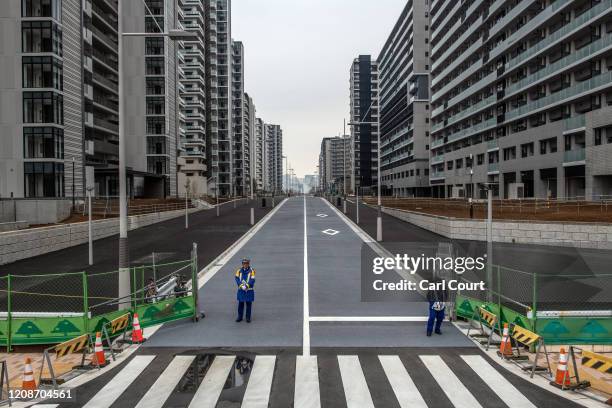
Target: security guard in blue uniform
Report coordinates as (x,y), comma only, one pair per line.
(245,280)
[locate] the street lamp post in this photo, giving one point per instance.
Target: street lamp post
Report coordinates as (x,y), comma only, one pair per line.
(286,171)
(73,198)
(124,264)
(379,212)
(89,225)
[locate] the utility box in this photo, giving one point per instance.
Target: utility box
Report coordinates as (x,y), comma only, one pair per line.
(516,191)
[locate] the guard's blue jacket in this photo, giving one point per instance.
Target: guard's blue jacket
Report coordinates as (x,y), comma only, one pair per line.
(246,276)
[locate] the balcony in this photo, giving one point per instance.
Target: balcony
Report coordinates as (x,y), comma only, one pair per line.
(493,168)
(574,157)
(583,19)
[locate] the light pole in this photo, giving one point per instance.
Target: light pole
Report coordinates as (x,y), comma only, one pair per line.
(89,225)
(471,193)
(187,184)
(73,199)
(379,215)
(124,263)
(286,170)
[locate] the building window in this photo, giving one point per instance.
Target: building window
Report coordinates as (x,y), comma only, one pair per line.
(449,165)
(152,27)
(156,7)
(459,163)
(527,150)
(156,86)
(41,8)
(42,72)
(41,36)
(156,126)
(510,153)
(480,159)
(43,143)
(548,145)
(43,107)
(156,106)
(43,179)
(155,66)
(154,46)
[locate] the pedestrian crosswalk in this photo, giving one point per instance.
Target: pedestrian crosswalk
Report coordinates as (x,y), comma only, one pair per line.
(415,380)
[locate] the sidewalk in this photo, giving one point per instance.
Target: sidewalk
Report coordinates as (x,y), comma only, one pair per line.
(169,240)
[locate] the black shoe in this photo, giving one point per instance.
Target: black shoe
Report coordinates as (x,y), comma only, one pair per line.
(248,320)
(428,334)
(438,332)
(238,320)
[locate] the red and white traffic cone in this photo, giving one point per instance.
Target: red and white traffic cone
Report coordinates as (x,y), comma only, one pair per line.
(505,347)
(99,351)
(562,378)
(137,336)
(28,383)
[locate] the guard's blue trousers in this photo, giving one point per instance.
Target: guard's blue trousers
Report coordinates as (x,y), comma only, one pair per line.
(241,310)
(434,315)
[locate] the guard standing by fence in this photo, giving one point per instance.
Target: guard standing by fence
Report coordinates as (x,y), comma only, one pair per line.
(245,280)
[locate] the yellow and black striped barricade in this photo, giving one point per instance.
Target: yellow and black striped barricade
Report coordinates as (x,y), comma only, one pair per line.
(590,359)
(4,382)
(491,321)
(115,328)
(81,344)
(519,336)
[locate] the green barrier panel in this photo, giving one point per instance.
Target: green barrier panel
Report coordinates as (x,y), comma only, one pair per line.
(165,310)
(45,330)
(563,330)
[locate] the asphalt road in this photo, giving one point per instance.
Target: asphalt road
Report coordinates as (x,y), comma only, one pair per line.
(300,350)
(169,240)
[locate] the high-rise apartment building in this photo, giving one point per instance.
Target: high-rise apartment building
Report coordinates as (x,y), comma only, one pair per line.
(364,108)
(192,161)
(248,139)
(259,156)
(274,157)
(218,94)
(403,66)
(64,60)
(521,98)
(238,120)
(334,164)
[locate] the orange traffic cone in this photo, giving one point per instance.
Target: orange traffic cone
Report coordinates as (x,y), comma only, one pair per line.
(99,351)
(505,347)
(28,376)
(137,336)
(562,379)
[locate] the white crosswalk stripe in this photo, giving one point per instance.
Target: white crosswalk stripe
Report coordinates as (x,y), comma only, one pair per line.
(351,382)
(260,383)
(307,393)
(165,383)
(406,392)
(454,389)
(355,386)
(208,392)
(120,382)
(500,386)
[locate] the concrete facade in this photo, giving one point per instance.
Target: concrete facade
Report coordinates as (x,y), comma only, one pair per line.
(364,108)
(274,157)
(581,235)
(521,97)
(16,245)
(404,104)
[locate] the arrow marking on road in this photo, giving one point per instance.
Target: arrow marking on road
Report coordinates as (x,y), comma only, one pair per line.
(330,231)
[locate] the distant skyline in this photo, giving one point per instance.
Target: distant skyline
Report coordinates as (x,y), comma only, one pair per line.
(297,60)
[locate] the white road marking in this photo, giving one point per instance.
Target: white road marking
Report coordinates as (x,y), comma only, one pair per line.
(330,231)
(120,382)
(404,389)
(260,383)
(368,318)
(500,386)
(355,386)
(209,390)
(160,391)
(306,306)
(45,406)
(322,215)
(450,384)
(306,383)
(215,266)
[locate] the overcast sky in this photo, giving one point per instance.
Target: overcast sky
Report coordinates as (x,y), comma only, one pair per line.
(298,55)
